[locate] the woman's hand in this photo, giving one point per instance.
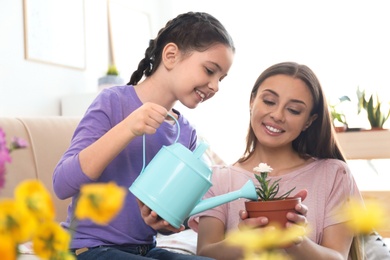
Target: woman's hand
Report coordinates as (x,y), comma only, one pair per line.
(251,222)
(299,218)
(154,221)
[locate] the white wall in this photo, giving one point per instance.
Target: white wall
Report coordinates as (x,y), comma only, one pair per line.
(345,42)
(30,88)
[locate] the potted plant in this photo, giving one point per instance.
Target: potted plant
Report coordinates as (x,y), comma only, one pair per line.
(111,78)
(339,119)
(269,204)
(376,113)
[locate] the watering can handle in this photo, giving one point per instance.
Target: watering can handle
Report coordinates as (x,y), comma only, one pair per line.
(144,146)
(202,147)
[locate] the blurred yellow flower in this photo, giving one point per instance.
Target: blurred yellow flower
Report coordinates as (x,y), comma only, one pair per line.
(14,222)
(365,218)
(7,248)
(100,202)
(266,255)
(51,240)
(33,195)
(261,243)
(31,216)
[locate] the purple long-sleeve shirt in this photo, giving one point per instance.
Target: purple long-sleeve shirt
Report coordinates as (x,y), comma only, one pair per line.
(110,107)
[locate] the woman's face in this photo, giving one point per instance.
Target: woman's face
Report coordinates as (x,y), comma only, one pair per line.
(281,110)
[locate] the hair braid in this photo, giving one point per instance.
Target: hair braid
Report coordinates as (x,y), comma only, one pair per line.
(145,66)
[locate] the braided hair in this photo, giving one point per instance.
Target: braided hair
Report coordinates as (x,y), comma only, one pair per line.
(192,31)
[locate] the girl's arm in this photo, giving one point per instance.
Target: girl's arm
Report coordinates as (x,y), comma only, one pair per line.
(145,120)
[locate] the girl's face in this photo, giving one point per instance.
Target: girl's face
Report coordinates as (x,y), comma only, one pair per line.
(281,110)
(196,77)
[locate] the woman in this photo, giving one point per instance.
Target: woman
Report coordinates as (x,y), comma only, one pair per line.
(290,130)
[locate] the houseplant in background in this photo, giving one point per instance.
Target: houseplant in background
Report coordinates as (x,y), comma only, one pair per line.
(111,78)
(269,203)
(377,111)
(339,119)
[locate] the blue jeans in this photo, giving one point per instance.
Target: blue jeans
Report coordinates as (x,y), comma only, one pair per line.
(134,253)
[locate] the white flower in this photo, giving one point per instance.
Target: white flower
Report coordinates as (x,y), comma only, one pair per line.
(263,167)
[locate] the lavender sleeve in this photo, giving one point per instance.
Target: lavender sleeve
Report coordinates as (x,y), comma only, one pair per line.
(68,176)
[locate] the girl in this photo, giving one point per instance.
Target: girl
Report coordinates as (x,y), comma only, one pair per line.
(185,62)
(290,130)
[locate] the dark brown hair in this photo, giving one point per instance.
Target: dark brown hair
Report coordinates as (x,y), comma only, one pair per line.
(192,31)
(319,139)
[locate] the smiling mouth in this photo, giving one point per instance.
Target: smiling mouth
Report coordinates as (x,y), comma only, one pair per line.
(201,95)
(273,129)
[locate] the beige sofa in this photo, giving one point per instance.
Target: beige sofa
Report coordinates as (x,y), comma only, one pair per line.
(48,138)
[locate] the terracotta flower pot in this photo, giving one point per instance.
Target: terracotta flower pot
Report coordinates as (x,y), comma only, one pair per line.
(275,210)
(340,129)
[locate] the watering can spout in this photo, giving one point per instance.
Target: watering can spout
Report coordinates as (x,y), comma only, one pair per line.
(248,191)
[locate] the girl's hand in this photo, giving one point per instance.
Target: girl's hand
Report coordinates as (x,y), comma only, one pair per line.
(146,119)
(154,221)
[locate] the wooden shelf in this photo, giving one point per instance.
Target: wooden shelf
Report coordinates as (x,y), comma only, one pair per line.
(367,145)
(371,144)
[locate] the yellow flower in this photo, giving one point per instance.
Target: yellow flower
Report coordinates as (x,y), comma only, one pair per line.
(8,248)
(14,222)
(100,202)
(36,199)
(364,219)
(260,240)
(50,240)
(268,256)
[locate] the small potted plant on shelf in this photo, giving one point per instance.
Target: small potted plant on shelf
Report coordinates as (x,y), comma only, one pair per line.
(269,203)
(111,78)
(339,119)
(377,113)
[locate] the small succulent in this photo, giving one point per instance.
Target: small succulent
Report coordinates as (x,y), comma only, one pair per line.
(267,190)
(375,114)
(337,115)
(112,70)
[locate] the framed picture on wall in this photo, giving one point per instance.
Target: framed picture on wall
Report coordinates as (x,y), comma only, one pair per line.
(54,32)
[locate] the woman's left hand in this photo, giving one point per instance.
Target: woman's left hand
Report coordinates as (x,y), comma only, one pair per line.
(299,218)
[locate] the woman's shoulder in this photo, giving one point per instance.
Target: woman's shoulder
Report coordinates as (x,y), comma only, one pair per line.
(336,166)
(331,163)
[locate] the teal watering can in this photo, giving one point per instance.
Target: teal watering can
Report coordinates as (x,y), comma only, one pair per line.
(175,181)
